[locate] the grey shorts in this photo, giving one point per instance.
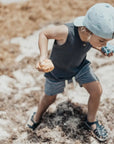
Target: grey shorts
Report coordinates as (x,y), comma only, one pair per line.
(85,75)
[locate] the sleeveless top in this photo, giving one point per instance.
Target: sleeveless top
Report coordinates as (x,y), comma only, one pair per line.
(70,57)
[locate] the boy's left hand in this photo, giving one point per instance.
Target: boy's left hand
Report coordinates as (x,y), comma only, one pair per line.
(110,54)
(106,51)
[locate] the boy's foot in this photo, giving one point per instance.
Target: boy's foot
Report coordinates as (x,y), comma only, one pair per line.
(99,132)
(31,122)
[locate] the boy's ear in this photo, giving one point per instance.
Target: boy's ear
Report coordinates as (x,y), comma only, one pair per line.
(89,31)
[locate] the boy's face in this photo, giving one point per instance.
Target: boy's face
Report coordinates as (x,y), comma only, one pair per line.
(97,41)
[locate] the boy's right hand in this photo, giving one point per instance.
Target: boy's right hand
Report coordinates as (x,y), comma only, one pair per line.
(45,65)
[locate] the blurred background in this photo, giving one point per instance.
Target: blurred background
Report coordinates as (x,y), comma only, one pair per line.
(21,85)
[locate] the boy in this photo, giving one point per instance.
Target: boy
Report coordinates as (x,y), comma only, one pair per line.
(68,59)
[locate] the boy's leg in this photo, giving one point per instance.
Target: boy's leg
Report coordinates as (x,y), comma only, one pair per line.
(95,91)
(52,88)
(44,103)
(90,82)
(97,129)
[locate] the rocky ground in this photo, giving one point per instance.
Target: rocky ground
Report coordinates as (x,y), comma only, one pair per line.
(21,85)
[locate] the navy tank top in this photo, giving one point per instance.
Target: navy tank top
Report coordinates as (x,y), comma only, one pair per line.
(70,57)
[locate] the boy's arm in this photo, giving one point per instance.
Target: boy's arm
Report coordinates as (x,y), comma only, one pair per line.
(58,33)
(97,48)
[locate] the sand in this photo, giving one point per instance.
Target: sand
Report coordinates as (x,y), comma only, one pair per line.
(21,85)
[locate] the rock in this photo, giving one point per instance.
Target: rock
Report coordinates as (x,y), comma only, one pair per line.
(52,108)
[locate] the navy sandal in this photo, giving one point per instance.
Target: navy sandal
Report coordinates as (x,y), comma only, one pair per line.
(34,124)
(100,132)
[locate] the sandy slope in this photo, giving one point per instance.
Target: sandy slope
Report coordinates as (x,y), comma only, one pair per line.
(21,88)
(21,85)
(34,14)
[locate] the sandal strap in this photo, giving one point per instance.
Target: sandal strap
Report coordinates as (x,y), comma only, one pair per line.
(35,124)
(32,118)
(92,123)
(100,133)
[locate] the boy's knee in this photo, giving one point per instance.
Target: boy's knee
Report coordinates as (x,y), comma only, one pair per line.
(97,92)
(94,89)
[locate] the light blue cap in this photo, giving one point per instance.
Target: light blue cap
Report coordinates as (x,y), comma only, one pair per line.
(99,19)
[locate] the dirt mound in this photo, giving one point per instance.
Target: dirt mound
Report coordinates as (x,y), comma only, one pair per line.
(21,85)
(65,125)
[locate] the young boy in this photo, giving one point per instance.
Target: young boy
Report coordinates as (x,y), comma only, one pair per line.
(68,59)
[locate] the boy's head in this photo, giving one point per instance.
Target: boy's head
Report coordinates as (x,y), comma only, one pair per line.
(99,20)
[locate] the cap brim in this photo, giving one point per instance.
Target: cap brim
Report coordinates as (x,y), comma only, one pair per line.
(79,21)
